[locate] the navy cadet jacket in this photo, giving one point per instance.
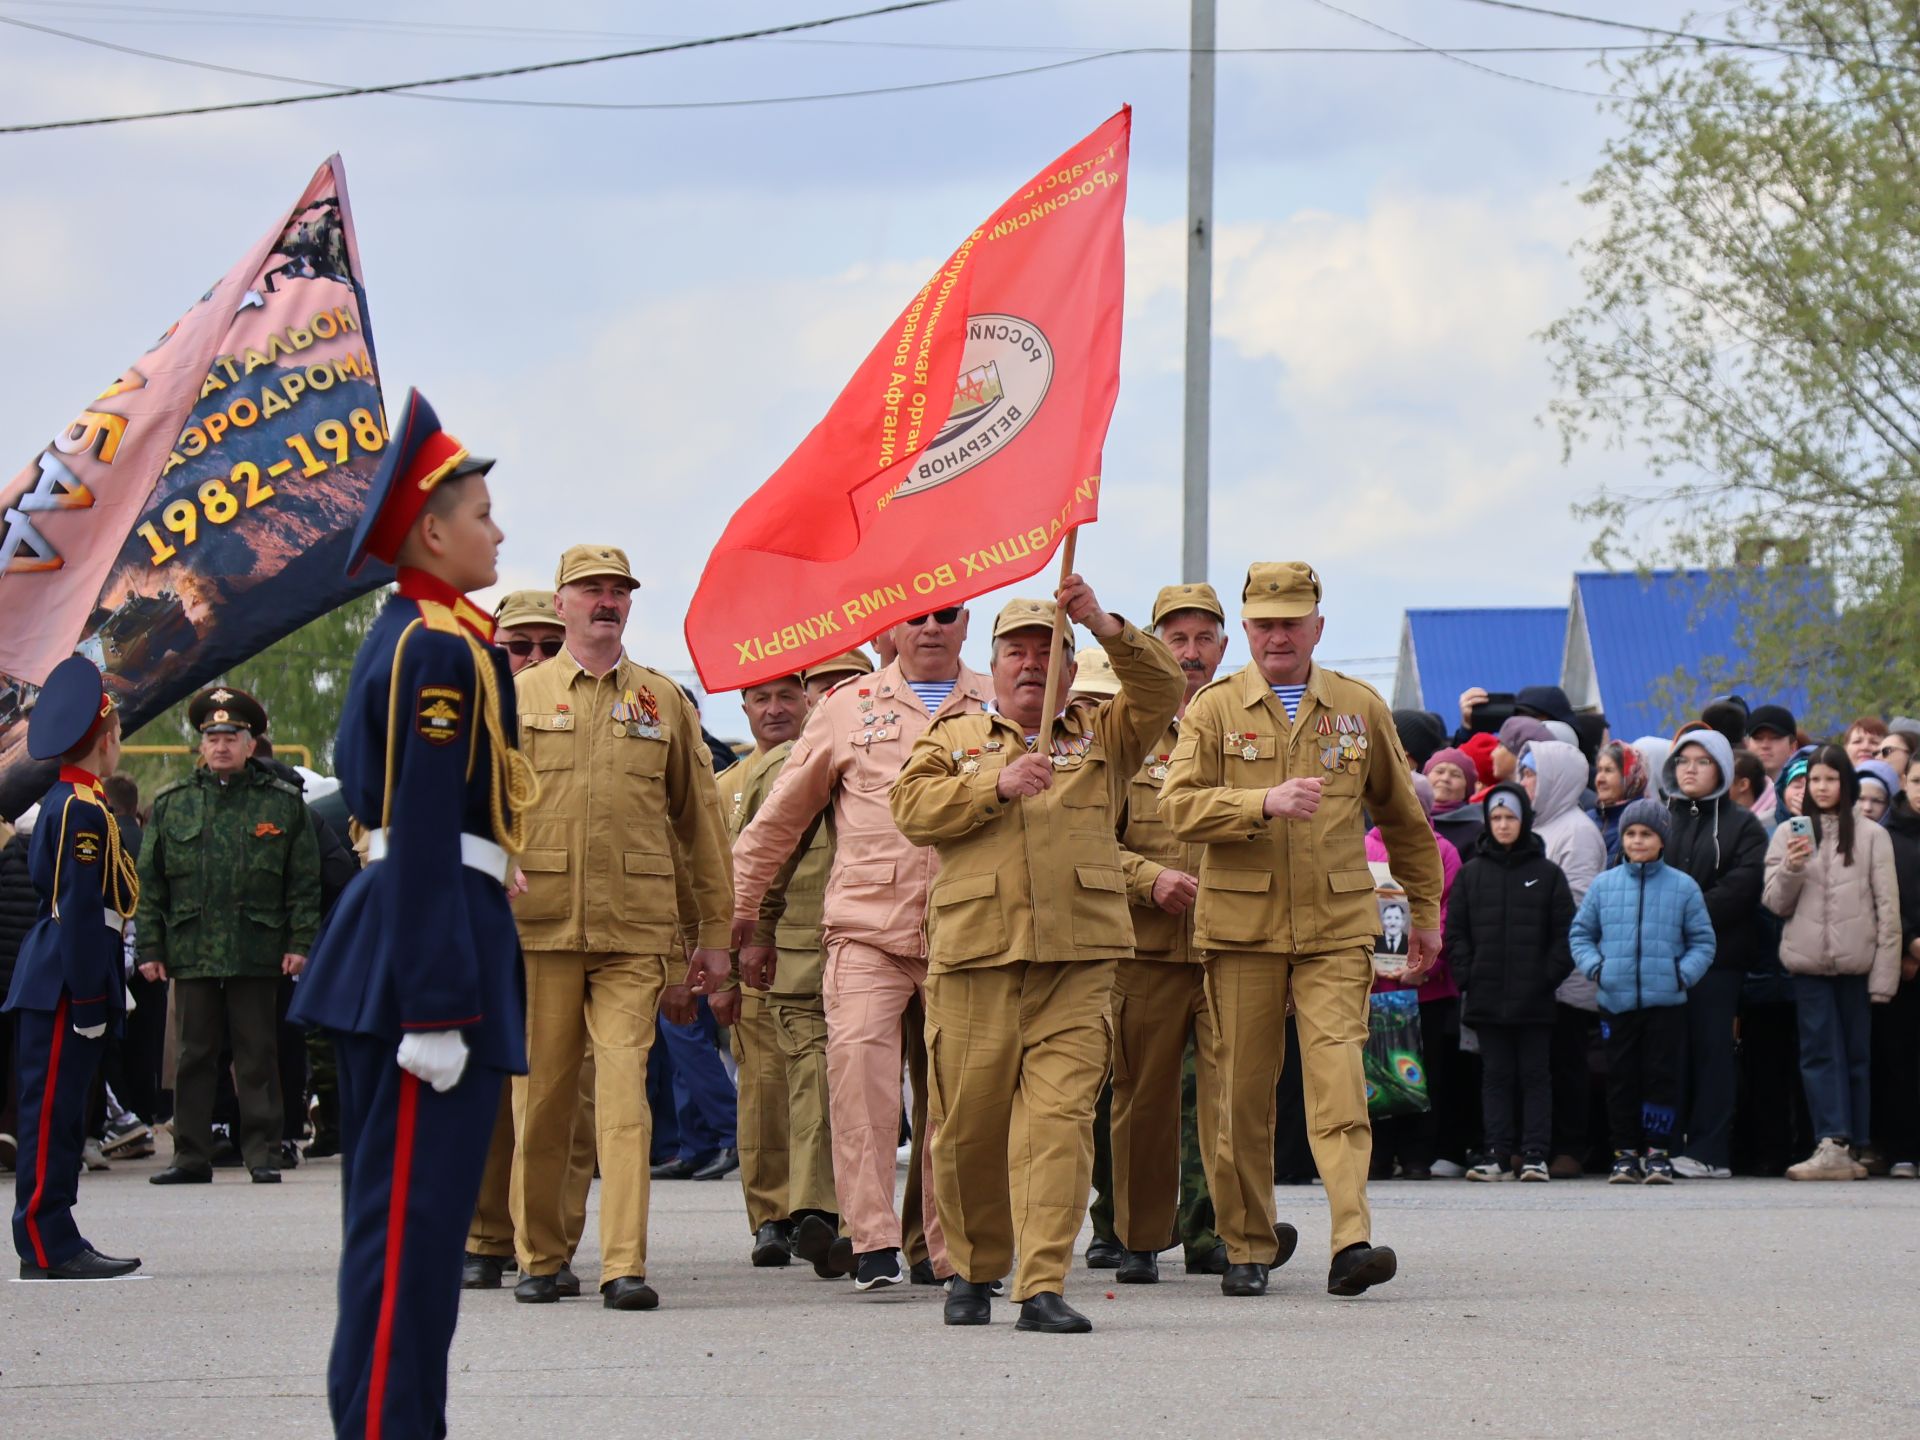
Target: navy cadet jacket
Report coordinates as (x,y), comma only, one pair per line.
(75,949)
(420,941)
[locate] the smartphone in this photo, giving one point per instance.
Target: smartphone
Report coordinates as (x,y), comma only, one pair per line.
(1493,712)
(1800,825)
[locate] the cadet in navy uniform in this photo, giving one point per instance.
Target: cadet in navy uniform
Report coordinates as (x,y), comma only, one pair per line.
(68,983)
(417,974)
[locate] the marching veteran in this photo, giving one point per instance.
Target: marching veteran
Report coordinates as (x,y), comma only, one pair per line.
(67,982)
(1026,920)
(229,902)
(626,785)
(849,752)
(416,975)
(1273,768)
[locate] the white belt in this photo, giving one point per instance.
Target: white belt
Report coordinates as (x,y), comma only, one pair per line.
(476,853)
(116,922)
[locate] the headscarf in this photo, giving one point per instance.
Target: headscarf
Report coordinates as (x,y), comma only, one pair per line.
(1633,771)
(1653,751)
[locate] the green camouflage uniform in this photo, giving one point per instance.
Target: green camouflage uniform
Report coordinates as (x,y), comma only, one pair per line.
(229,877)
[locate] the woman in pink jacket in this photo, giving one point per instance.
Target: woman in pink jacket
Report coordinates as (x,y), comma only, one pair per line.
(1835,887)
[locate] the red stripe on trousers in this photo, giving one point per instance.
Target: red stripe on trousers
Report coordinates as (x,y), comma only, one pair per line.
(46,1132)
(396,1244)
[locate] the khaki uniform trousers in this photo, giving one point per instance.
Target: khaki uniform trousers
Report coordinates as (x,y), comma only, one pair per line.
(760,1110)
(1247,993)
(491,1232)
(915,1197)
(572,997)
(1017,1054)
(800,1029)
(1157,1006)
(868,992)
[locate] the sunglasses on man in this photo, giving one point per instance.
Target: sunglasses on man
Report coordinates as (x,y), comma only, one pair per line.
(520,647)
(946,615)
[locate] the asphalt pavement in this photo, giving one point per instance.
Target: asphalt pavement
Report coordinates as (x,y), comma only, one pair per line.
(1576,1308)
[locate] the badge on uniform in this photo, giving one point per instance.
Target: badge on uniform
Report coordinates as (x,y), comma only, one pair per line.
(86,847)
(265,829)
(437,714)
(1246,743)
(1343,743)
(1157,766)
(970,762)
(637,716)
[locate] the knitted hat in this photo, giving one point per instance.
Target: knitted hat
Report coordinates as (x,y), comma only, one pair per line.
(1479,749)
(1504,799)
(1650,813)
(1521,730)
(1450,755)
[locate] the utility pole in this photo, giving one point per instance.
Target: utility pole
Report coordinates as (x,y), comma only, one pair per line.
(1193,540)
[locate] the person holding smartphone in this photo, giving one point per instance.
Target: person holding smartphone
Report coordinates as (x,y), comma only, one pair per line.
(1830,877)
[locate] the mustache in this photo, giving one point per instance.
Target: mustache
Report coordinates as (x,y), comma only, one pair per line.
(1193,665)
(606,612)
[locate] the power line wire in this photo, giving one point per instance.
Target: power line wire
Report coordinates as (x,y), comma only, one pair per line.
(1461,60)
(503,72)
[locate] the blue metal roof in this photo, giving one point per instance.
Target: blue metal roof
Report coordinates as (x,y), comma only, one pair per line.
(1496,649)
(1639,629)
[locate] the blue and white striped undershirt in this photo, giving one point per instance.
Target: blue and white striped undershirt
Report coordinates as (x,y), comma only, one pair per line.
(933,693)
(1289,697)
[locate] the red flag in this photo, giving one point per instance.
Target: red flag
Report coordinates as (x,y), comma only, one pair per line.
(959,454)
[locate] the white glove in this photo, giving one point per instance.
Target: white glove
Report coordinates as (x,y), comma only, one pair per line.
(438,1057)
(90,1032)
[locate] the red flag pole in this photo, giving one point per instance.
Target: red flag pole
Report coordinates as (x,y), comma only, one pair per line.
(1051,705)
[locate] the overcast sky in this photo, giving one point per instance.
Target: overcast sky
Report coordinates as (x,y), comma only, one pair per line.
(642,312)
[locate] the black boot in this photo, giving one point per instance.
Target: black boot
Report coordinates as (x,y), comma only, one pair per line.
(1360,1266)
(1105,1254)
(482,1272)
(565,1282)
(1213,1262)
(814,1238)
(536,1290)
(1051,1315)
(773,1245)
(1244,1280)
(968,1303)
(1286,1240)
(1141,1267)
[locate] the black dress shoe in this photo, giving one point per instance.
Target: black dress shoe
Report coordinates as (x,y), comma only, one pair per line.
(1212,1262)
(566,1282)
(814,1238)
(720,1166)
(968,1303)
(288,1154)
(772,1245)
(536,1290)
(1141,1267)
(1244,1280)
(677,1169)
(482,1272)
(921,1273)
(264,1175)
(1359,1266)
(180,1175)
(89,1264)
(629,1292)
(1048,1313)
(324,1145)
(1286,1240)
(841,1259)
(226,1155)
(1105,1254)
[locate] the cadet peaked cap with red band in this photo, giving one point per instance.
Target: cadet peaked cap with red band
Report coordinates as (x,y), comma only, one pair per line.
(69,709)
(420,455)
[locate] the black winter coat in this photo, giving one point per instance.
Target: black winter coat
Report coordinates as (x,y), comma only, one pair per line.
(19,908)
(1903,828)
(1507,925)
(1723,846)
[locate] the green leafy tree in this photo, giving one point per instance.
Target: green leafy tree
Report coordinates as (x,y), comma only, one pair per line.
(302,681)
(1751,327)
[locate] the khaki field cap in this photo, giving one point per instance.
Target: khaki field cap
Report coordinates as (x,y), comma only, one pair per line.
(853,662)
(585,562)
(526,607)
(1279,590)
(1174,598)
(1028,615)
(1095,675)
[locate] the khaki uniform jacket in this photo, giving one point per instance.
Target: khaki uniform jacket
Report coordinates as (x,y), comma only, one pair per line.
(1296,887)
(1039,878)
(1147,847)
(790,913)
(877,891)
(619,799)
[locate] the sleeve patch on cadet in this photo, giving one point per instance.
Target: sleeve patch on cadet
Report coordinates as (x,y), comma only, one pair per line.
(437,715)
(86,847)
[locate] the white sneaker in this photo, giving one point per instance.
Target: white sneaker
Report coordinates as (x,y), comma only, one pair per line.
(1904,1170)
(1490,1170)
(1447,1170)
(1829,1161)
(1688,1168)
(92,1157)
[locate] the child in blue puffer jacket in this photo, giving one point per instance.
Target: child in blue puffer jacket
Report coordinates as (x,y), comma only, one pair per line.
(1643,935)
